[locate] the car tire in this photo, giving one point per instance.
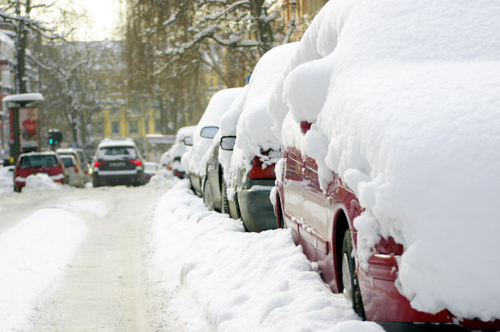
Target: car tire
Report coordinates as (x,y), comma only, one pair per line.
(350,281)
(95,183)
(207,196)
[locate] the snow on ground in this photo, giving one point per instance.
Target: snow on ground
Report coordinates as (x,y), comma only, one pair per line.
(6,180)
(215,276)
(33,256)
(259,281)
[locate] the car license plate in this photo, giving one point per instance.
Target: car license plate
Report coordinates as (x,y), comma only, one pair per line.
(117,164)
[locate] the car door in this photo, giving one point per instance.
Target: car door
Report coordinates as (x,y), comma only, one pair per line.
(315,211)
(293,169)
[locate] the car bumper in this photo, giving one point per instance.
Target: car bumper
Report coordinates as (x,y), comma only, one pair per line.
(117,177)
(384,303)
(256,208)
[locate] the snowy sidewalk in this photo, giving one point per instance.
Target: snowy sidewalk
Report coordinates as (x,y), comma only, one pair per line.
(240,281)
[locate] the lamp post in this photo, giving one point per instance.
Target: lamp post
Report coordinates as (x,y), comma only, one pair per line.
(21,40)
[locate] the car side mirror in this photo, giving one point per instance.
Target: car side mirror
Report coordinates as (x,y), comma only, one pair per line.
(209,132)
(188,141)
(227,143)
(305,126)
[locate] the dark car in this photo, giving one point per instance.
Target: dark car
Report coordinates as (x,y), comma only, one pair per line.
(38,162)
(118,162)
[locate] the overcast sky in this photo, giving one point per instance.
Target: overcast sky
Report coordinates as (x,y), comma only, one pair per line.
(105,14)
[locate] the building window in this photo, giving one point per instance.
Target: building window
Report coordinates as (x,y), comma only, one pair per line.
(146,126)
(157,126)
(133,127)
(115,127)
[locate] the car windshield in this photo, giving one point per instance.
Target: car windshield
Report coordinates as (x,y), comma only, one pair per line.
(38,161)
(68,162)
(117,151)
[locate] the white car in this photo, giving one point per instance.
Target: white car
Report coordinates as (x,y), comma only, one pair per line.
(75,171)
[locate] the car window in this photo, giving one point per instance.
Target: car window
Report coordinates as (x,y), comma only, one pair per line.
(38,161)
(117,151)
(68,162)
(80,154)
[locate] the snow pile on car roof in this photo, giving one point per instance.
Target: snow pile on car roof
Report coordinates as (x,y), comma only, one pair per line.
(404,97)
(253,129)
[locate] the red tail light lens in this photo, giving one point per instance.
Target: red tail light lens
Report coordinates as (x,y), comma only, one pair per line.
(76,169)
(135,162)
(258,172)
(99,163)
(389,247)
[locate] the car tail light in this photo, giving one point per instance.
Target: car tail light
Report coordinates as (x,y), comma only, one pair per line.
(135,162)
(389,247)
(99,163)
(260,172)
(76,169)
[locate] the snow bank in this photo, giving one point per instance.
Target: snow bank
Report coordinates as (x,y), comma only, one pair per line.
(40,182)
(404,97)
(6,181)
(261,281)
(195,159)
(33,256)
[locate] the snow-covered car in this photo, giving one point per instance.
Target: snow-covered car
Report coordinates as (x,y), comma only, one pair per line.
(117,161)
(39,162)
(250,175)
(388,116)
(195,159)
(76,176)
(214,192)
(171,160)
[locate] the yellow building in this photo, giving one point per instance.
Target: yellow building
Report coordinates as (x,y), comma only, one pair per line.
(121,123)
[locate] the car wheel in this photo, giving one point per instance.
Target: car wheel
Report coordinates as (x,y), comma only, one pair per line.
(349,278)
(225,202)
(207,196)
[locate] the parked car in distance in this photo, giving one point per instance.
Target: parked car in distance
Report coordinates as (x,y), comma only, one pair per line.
(76,175)
(117,162)
(150,169)
(250,176)
(194,160)
(171,160)
(38,162)
(87,170)
(80,158)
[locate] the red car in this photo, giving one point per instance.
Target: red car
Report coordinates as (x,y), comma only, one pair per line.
(38,162)
(338,128)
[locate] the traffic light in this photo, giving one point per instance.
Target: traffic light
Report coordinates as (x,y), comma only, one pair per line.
(55,136)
